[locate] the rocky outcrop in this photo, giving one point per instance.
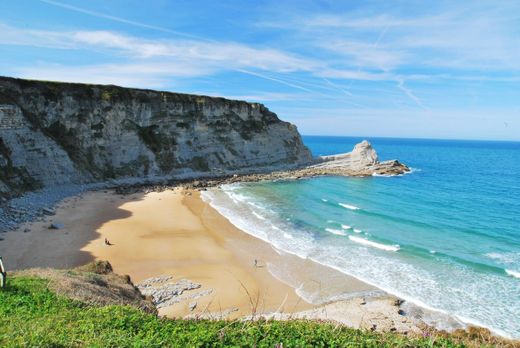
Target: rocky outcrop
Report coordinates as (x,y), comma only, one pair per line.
(362,161)
(165,292)
(92,284)
(363,155)
(57,133)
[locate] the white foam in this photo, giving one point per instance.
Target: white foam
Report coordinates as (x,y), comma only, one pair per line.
(334,231)
(258,215)
(346,227)
(383,175)
(348,206)
(287,235)
(494,256)
(382,270)
(374,244)
(513,273)
(324,200)
(412,170)
(240,216)
(507,258)
(258,206)
(205,196)
(412,299)
(357,230)
(432,251)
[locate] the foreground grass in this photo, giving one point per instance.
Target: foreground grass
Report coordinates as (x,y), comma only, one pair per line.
(32,315)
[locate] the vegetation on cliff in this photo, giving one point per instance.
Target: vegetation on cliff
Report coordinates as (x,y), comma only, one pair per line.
(36,309)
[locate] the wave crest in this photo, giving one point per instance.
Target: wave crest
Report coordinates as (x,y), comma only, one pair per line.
(514,274)
(349,206)
(374,244)
(337,232)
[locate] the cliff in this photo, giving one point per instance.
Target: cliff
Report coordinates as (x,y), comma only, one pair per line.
(57,133)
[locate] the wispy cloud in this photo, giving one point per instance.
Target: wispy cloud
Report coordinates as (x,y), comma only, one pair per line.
(258,96)
(229,54)
(223,54)
(154,60)
(463,35)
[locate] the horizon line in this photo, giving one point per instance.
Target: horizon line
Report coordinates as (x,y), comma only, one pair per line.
(410,138)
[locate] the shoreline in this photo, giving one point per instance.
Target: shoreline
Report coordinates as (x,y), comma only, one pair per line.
(425,317)
(175,233)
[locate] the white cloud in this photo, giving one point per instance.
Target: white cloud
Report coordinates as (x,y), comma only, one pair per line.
(229,54)
(443,35)
(257,97)
(38,38)
(226,55)
(151,61)
(122,75)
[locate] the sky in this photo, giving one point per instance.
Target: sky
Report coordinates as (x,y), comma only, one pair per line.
(417,69)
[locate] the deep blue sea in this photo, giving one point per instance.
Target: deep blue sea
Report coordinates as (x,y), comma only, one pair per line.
(446,236)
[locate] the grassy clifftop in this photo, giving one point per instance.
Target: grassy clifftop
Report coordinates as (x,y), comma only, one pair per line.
(32,313)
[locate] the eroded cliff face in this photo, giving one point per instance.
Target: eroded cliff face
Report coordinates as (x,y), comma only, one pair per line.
(54,133)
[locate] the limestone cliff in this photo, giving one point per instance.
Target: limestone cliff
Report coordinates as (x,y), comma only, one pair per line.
(54,133)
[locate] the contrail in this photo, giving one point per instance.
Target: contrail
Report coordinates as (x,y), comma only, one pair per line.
(123,20)
(263,76)
(337,87)
(400,81)
(374,45)
(274,79)
(381,34)
(409,93)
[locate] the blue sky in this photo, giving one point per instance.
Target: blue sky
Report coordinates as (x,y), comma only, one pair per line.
(427,69)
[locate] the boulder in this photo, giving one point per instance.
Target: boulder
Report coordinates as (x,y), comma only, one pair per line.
(192,306)
(48,211)
(56,226)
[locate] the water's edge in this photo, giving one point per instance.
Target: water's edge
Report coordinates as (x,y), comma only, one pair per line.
(432,316)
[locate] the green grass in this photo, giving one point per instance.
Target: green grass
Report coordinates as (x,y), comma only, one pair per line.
(32,315)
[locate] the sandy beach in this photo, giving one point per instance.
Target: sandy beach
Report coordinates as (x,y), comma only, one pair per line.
(174,233)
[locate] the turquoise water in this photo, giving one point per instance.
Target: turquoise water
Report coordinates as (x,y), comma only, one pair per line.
(446,236)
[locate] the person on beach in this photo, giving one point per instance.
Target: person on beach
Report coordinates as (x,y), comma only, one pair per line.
(107,242)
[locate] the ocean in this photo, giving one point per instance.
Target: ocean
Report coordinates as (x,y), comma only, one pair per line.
(446,236)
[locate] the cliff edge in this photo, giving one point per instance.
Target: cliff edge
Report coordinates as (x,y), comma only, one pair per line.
(54,133)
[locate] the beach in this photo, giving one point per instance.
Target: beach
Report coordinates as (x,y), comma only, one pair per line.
(174,233)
